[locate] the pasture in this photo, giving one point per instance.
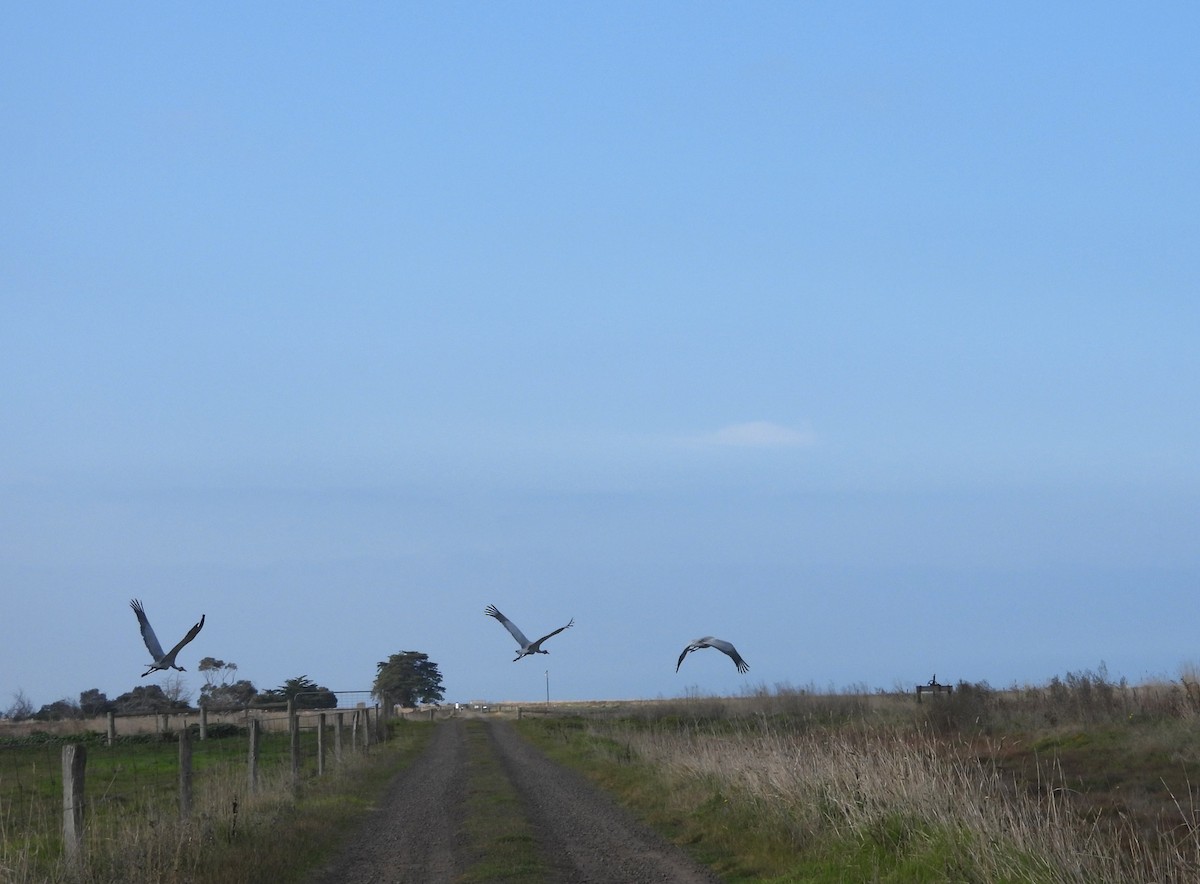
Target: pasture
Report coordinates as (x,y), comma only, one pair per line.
(135,826)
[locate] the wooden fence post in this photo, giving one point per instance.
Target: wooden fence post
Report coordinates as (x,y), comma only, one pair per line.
(339,726)
(74,763)
(185,773)
(382,720)
(354,729)
(294,734)
(112,727)
(320,744)
(255,731)
(203,722)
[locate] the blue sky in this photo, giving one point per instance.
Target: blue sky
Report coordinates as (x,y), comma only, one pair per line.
(861,335)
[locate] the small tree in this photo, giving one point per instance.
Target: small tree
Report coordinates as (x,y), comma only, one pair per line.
(21,708)
(406,679)
(177,692)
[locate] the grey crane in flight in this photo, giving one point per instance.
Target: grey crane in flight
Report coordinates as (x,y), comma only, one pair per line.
(723,646)
(527,647)
(161,660)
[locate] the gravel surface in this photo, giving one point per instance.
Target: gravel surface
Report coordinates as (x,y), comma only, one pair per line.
(582,835)
(414,834)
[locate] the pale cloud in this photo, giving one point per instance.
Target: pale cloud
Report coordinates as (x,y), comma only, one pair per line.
(760,434)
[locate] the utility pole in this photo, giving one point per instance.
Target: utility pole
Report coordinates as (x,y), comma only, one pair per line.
(547,687)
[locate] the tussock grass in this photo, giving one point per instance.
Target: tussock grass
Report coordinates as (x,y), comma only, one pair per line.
(1079,781)
(894,802)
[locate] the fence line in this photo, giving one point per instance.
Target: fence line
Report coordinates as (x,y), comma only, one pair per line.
(114,724)
(108,778)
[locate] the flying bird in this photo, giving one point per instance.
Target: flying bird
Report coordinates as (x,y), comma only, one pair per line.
(527,647)
(723,646)
(161,660)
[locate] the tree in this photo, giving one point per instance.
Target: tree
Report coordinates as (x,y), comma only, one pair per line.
(144,699)
(219,690)
(406,679)
(93,702)
(217,672)
(177,692)
(238,695)
(306,692)
(21,708)
(59,710)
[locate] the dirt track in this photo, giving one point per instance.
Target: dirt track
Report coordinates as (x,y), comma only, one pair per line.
(415,835)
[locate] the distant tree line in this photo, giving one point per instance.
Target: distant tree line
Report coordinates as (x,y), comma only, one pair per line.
(143,699)
(406,678)
(219,692)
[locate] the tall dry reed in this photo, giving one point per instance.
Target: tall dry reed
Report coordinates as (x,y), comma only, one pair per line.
(906,786)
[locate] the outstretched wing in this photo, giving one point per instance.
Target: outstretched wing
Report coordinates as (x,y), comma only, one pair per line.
(686,651)
(492,611)
(726,648)
(148,635)
(537,644)
(192,633)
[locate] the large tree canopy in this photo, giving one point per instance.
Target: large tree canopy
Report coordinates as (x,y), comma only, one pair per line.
(408,678)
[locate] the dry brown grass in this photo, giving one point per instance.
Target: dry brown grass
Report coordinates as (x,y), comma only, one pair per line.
(1080,780)
(852,786)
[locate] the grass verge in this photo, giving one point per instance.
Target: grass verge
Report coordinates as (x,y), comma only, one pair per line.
(757,803)
(289,844)
(729,837)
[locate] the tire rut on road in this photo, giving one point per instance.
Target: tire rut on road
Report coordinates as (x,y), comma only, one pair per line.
(415,833)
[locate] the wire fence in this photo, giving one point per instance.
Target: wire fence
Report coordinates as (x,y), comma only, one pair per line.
(160,769)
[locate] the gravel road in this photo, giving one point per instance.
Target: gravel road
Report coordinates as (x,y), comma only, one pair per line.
(583,836)
(414,834)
